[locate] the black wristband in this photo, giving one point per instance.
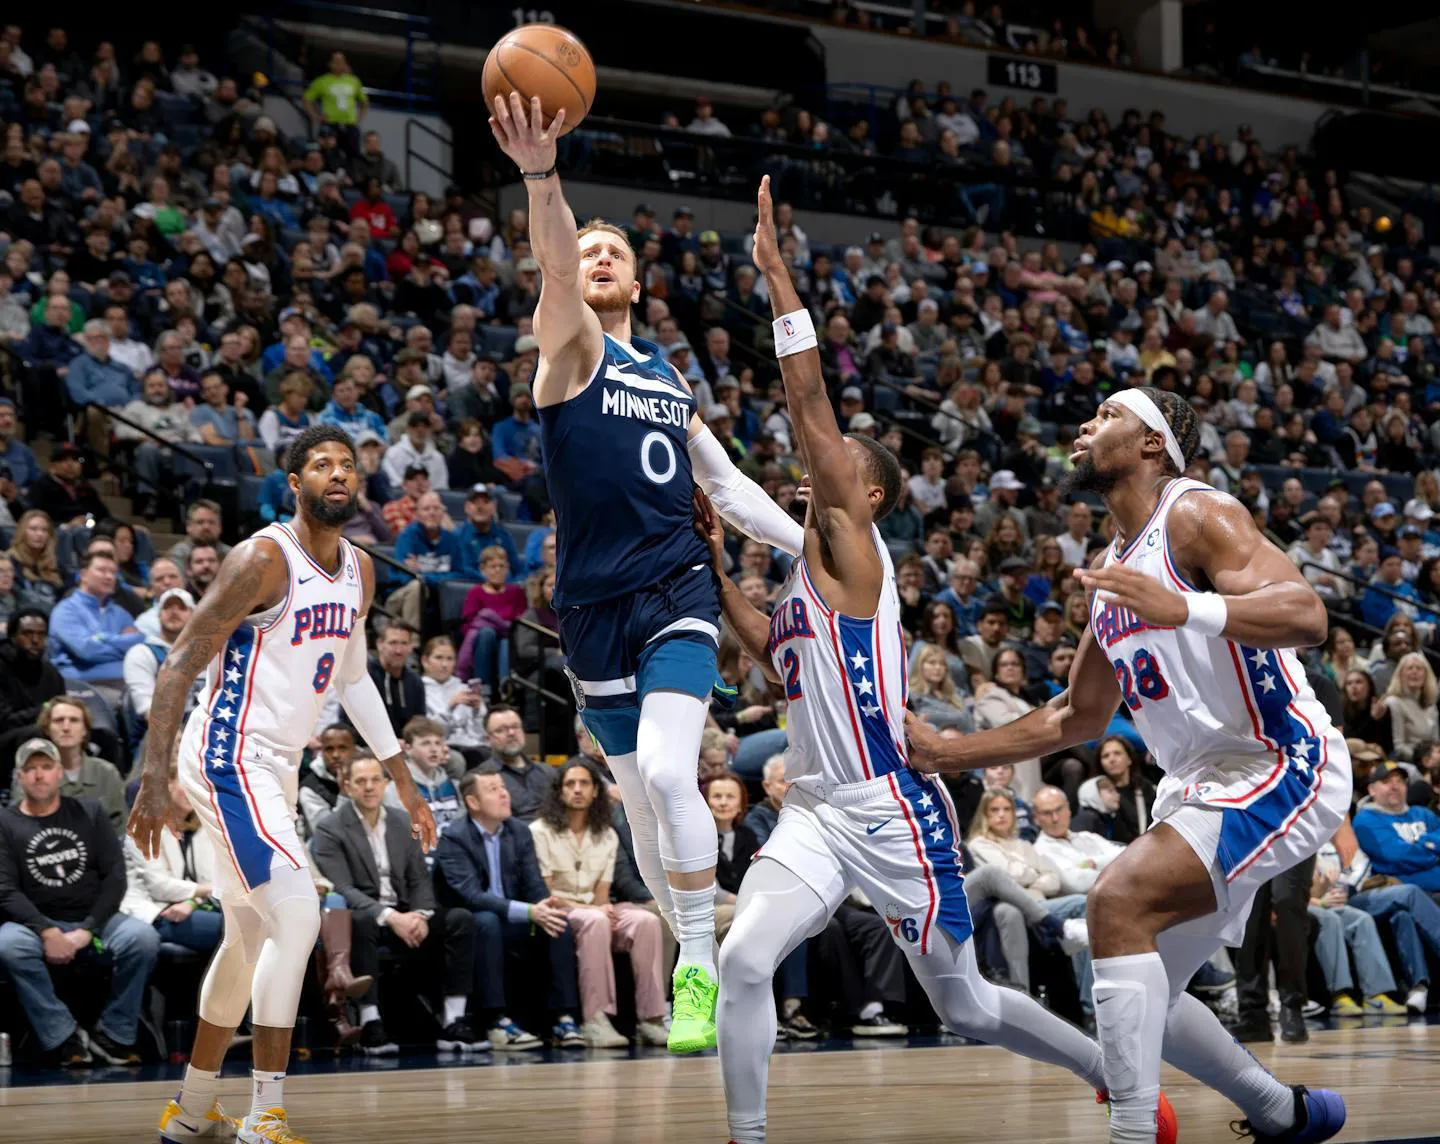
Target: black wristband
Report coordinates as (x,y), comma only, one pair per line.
(537,176)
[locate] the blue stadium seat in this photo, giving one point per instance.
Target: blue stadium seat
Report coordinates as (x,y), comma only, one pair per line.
(452,599)
(249,502)
(175,109)
(899,549)
(498,341)
(520,530)
(509,504)
(454,502)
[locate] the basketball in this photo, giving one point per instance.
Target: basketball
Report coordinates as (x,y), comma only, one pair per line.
(546,61)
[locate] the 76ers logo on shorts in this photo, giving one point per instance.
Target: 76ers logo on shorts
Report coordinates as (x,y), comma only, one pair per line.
(901,927)
(789,327)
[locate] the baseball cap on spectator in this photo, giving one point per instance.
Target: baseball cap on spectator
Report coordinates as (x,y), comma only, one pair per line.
(1387,551)
(175,594)
(852,393)
(416,470)
(726,381)
(480,489)
(1410,532)
(875,236)
(291,312)
(527,264)
(265,123)
(417,391)
(212,205)
(519,389)
(676,347)
(1029,425)
(980,268)
(1372,251)
(66,452)
(525,343)
(861,421)
(408,356)
(874,278)
(1142,266)
(1113,265)
(78,127)
(717,412)
(709,238)
(368,437)
(36,746)
(118,278)
(1383,509)
(1006,481)
(686,212)
(1051,606)
(643,208)
(1416,509)
(1378,773)
(1013,564)
(1085,259)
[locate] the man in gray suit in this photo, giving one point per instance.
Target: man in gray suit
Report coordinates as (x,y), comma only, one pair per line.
(366,851)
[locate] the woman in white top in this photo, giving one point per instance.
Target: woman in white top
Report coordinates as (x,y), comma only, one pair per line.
(173,891)
(453,703)
(576,848)
(999,703)
(1411,699)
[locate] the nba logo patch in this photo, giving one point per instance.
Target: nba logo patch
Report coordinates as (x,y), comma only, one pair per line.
(789,327)
(1153,540)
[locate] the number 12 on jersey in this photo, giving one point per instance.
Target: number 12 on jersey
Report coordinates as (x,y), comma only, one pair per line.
(1140,679)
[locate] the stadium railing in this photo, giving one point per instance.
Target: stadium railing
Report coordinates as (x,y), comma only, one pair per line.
(393,565)
(545,696)
(1350,620)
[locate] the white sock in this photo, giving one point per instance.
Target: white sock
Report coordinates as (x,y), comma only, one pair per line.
(369,1013)
(454,1009)
(1132,998)
(695,926)
(267,1091)
(873,1009)
(197,1091)
(1196,1042)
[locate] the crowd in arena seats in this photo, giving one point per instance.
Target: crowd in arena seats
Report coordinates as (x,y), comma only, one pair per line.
(183,289)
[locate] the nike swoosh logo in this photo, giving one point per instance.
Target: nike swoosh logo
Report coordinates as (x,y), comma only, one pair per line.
(877,826)
(305,579)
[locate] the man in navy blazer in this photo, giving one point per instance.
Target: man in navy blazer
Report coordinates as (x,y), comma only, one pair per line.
(486,862)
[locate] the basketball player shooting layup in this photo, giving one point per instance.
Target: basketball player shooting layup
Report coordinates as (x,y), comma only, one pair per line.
(1193,619)
(282,624)
(856,815)
(639,617)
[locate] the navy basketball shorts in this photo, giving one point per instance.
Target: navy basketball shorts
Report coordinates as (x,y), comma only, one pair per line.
(662,638)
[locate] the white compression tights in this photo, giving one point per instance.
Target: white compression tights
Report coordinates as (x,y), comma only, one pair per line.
(264,953)
(775,911)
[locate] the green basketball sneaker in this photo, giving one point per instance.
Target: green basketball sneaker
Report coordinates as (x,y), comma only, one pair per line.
(692,1021)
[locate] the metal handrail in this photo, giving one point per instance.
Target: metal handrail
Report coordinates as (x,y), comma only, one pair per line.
(389,561)
(410,152)
(1381,588)
(208,466)
(894,423)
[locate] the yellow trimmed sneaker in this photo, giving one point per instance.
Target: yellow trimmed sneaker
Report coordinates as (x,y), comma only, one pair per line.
(692,1021)
(268,1127)
(1382,1006)
(1343,1005)
(177,1126)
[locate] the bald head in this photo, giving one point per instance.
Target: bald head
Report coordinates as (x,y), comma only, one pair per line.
(1052,811)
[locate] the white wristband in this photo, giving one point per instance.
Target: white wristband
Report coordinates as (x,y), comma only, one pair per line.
(794,333)
(1208,613)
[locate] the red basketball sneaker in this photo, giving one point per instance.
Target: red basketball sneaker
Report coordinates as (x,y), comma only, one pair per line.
(1167,1125)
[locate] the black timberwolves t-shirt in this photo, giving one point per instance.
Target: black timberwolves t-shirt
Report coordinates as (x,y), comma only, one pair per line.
(65,867)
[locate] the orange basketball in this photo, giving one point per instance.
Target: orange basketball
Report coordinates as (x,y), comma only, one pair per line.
(543,60)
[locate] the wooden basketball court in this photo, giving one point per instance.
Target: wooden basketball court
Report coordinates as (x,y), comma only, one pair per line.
(892,1092)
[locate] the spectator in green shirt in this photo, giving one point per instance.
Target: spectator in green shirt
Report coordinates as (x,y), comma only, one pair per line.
(338,98)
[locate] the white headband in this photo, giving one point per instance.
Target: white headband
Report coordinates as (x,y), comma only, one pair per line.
(1148,412)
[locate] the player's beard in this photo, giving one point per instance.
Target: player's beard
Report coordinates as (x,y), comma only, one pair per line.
(606,298)
(1086,478)
(322,511)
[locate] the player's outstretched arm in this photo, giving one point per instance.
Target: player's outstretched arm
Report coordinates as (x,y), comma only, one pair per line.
(563,322)
(366,710)
(750,625)
(741,503)
(1077,715)
(1260,598)
(836,485)
(252,576)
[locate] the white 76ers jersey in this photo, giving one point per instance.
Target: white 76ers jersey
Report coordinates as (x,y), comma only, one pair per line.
(844,680)
(1224,721)
(271,679)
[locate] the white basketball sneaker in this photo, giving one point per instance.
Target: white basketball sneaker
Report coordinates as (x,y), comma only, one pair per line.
(177,1125)
(268,1127)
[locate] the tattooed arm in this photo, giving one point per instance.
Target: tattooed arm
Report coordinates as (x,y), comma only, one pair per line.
(252,577)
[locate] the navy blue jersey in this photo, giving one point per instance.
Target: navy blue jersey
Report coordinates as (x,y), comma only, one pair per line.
(618,467)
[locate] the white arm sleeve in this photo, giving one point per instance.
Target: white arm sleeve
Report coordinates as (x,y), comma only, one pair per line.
(361,699)
(740,500)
